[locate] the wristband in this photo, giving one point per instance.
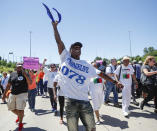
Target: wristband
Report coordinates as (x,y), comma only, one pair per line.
(115,82)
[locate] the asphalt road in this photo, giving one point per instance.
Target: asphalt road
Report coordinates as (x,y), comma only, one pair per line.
(111,117)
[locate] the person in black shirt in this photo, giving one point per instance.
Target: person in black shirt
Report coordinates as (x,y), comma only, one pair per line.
(18,82)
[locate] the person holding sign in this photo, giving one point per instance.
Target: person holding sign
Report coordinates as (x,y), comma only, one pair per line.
(32,90)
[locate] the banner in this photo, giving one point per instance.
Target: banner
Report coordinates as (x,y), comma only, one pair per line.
(31,63)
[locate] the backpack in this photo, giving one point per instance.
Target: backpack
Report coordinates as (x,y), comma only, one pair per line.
(146,80)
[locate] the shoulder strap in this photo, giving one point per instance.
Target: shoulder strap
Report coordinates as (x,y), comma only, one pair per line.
(120,72)
(111,69)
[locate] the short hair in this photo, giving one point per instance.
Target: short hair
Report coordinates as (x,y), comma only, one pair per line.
(76,44)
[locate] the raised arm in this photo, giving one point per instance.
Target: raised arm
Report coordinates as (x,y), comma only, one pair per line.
(106,77)
(44,68)
(60,44)
(28,79)
(44,61)
(149,73)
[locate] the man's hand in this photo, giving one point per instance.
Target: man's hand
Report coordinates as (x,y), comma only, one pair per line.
(54,24)
(136,84)
(44,63)
(45,60)
(119,85)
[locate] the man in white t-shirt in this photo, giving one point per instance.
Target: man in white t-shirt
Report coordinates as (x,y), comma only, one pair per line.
(126,73)
(76,75)
(110,87)
(50,77)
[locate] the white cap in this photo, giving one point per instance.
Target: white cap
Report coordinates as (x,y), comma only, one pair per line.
(126,58)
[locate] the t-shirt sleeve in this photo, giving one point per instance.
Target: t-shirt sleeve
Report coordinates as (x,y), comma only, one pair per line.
(55,79)
(108,70)
(132,70)
(94,72)
(45,70)
(145,67)
(64,55)
(9,81)
(117,70)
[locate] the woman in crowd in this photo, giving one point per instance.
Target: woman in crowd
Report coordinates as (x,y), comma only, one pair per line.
(148,80)
(32,91)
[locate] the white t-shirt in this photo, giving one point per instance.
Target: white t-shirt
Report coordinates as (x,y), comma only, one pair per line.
(50,77)
(126,74)
(97,92)
(45,78)
(58,80)
(110,69)
(4,82)
(75,76)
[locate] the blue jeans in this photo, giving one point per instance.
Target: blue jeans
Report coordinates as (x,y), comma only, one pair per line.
(76,109)
(31,98)
(45,86)
(41,87)
(111,87)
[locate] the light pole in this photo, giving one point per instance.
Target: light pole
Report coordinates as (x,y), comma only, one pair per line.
(8,57)
(11,53)
(30,42)
(130,43)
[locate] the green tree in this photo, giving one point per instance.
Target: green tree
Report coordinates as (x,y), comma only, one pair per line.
(4,62)
(97,58)
(151,49)
(106,60)
(145,50)
(9,64)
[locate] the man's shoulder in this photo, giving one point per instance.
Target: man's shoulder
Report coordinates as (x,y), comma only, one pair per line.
(109,67)
(65,53)
(13,73)
(130,67)
(118,67)
(145,67)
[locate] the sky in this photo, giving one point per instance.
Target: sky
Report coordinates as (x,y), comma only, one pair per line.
(102,26)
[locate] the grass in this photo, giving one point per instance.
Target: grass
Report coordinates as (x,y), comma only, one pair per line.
(6,69)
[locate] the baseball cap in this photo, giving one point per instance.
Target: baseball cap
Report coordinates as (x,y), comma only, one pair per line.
(19,64)
(134,61)
(76,44)
(118,62)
